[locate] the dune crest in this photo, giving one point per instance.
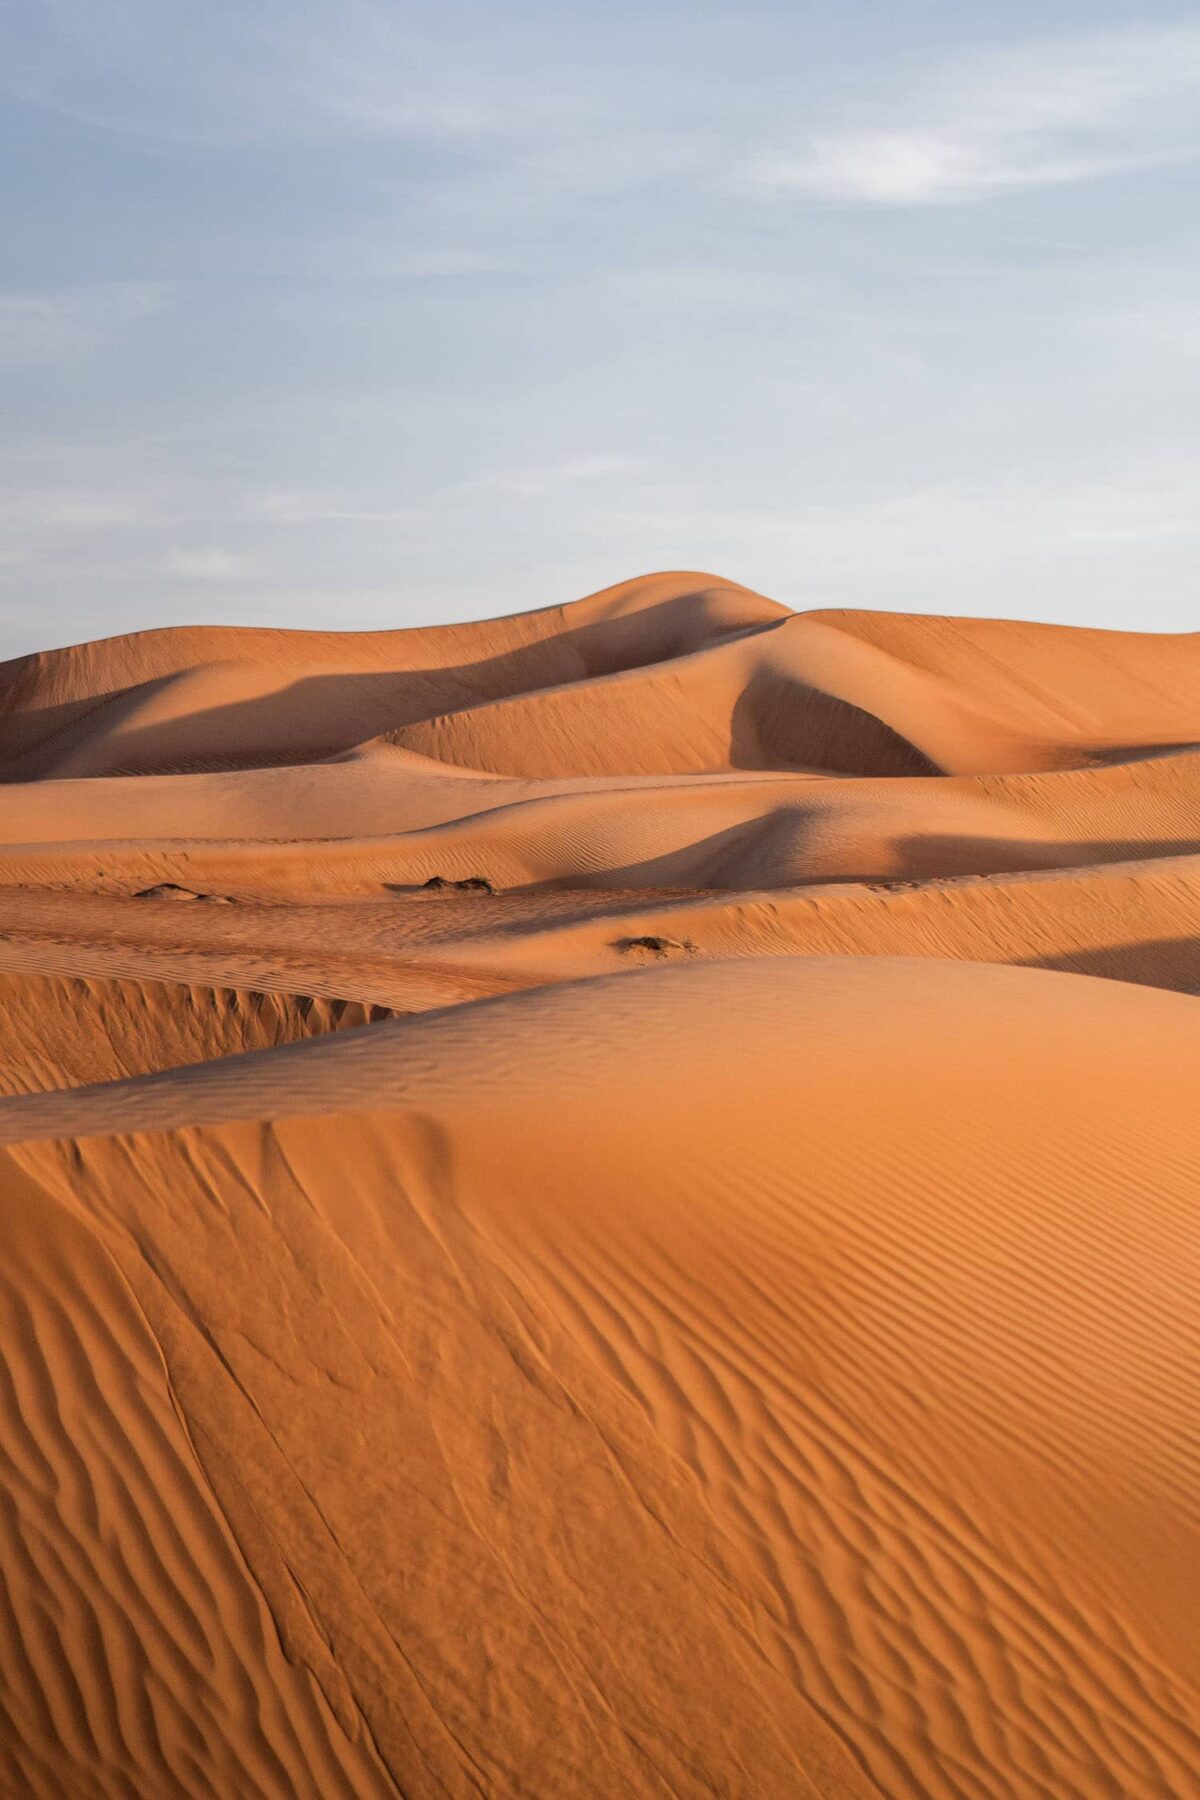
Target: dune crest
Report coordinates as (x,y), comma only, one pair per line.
(602,1202)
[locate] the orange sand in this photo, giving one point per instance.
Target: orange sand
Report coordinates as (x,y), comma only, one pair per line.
(717,1314)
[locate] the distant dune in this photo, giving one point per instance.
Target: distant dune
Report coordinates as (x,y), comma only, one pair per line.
(602,1203)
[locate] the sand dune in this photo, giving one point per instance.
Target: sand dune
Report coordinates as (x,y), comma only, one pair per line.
(224,697)
(602,1203)
(680,831)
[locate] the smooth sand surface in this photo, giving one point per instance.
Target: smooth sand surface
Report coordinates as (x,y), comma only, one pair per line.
(702,1299)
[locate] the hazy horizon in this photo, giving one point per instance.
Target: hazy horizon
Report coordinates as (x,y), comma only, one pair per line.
(368,316)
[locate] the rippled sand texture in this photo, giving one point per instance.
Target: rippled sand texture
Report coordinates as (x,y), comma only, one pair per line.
(602,1203)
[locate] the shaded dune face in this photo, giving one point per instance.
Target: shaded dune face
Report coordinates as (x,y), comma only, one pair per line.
(601,1203)
(60,1031)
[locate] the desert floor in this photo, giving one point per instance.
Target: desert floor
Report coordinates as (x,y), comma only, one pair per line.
(602,1203)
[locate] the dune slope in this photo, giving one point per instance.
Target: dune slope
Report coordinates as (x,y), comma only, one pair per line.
(920,1432)
(601,1203)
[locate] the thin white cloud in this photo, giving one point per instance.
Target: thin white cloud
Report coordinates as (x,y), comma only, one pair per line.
(69,320)
(209,563)
(1076,545)
(1157,329)
(440,265)
(917,168)
(535,482)
(505,131)
(1124,502)
(308,506)
(1035,116)
(35,510)
(363,71)
(696,284)
(310,69)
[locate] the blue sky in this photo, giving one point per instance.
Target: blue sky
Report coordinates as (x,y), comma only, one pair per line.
(375,314)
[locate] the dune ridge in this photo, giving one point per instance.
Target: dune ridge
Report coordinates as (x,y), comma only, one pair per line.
(602,1203)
